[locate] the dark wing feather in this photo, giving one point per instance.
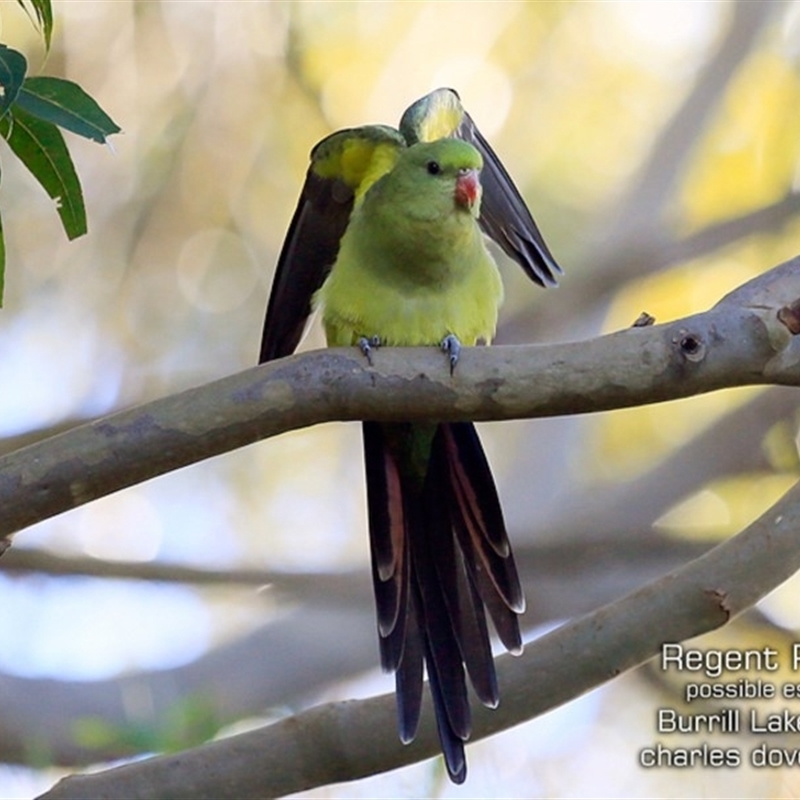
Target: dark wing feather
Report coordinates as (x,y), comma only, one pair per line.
(307,255)
(504,216)
(343,165)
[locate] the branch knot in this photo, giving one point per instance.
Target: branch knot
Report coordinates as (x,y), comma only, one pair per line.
(691,345)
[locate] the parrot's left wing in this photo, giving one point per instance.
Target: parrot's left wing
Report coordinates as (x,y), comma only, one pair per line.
(343,166)
(504,216)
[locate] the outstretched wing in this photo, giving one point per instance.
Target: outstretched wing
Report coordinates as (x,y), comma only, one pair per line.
(343,166)
(504,216)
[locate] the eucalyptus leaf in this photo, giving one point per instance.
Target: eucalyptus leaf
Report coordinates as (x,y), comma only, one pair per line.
(13,67)
(65,104)
(43,12)
(41,147)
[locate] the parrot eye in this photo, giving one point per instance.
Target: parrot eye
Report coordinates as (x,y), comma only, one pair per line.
(433,167)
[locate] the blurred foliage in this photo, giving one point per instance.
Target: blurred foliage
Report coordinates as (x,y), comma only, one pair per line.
(749,152)
(221,103)
(43,12)
(188,723)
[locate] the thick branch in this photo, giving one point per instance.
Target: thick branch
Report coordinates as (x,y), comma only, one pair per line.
(740,341)
(346,741)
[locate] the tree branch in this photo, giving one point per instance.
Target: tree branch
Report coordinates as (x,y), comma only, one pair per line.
(730,446)
(350,740)
(654,186)
(44,562)
(330,621)
(740,341)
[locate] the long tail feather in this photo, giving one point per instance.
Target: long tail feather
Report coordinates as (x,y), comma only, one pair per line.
(440,560)
(452,745)
(443,654)
(408,681)
(464,606)
(390,562)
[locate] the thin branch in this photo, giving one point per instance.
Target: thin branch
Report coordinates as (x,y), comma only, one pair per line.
(654,186)
(44,562)
(346,741)
(637,237)
(731,446)
(764,220)
(648,252)
(537,561)
(660,249)
(329,621)
(739,342)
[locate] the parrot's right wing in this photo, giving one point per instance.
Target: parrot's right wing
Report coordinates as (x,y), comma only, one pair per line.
(343,166)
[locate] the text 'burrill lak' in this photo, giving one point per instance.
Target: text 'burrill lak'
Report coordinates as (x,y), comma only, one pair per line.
(744,675)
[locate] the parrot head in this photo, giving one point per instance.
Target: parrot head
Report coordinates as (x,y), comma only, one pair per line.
(440,175)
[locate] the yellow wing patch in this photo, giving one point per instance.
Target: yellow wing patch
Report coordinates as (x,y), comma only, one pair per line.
(357,156)
(440,123)
(435,116)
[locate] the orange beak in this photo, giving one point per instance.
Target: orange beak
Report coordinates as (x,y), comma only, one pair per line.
(468,188)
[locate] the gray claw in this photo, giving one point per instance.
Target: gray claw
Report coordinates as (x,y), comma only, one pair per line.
(365,345)
(452,346)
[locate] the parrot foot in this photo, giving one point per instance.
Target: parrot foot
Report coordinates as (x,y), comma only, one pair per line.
(366,345)
(452,346)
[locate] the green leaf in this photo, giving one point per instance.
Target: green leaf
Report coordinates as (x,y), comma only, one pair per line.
(13,67)
(44,17)
(64,103)
(40,146)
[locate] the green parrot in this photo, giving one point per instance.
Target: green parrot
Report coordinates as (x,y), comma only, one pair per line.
(387,240)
